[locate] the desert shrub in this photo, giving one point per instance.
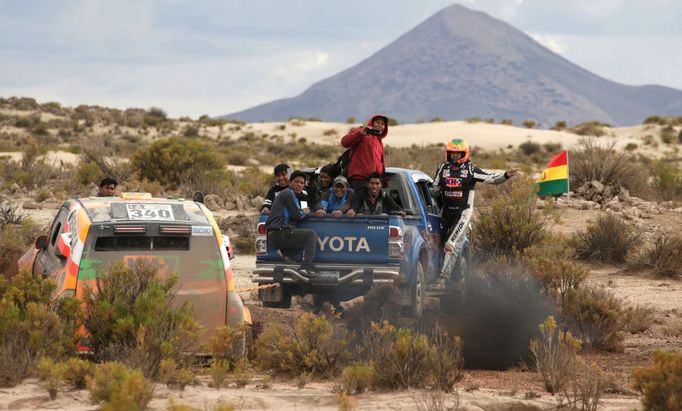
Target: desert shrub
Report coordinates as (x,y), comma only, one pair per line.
(155,117)
(473,120)
(174,376)
(242,373)
(552,147)
(608,239)
(529,147)
(393,121)
(554,264)
(15,239)
(595,315)
(10,214)
(381,303)
(679,137)
(30,327)
(529,123)
(116,387)
(667,181)
(559,125)
(660,384)
(603,163)
(227,344)
(668,135)
(51,375)
(424,158)
(585,388)
(664,255)
(130,317)
(400,356)
(350,120)
(104,156)
(87,172)
(590,128)
(445,359)
(218,371)
(510,223)
(631,147)
(555,354)
(251,182)
(310,347)
(245,245)
(507,122)
(638,319)
(167,160)
(330,132)
(77,371)
(205,180)
(355,379)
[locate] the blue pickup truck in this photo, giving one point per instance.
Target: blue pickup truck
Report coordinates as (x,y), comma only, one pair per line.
(356,253)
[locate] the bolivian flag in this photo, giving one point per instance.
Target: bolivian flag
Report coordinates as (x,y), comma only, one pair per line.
(554,179)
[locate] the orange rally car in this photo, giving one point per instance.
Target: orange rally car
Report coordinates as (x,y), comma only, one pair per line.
(180,236)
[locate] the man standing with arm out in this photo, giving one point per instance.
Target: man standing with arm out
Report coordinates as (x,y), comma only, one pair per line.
(455,181)
(367,150)
(285,210)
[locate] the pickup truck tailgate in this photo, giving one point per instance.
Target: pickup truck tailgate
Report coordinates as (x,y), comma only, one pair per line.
(359,240)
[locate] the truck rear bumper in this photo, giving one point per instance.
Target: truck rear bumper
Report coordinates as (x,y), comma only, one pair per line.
(361,276)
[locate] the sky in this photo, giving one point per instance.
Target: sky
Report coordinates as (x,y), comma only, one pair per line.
(220,56)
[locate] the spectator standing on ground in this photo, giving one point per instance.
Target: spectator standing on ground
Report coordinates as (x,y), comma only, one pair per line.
(282,234)
(107,187)
(373,200)
(367,150)
(335,200)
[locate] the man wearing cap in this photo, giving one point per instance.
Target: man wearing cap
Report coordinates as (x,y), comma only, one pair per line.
(367,150)
(336,200)
(282,172)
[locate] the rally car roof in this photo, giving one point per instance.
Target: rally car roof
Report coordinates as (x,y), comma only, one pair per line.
(114,209)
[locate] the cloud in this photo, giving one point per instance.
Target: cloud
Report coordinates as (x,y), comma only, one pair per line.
(553,43)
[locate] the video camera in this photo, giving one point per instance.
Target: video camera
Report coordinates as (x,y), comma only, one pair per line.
(373,131)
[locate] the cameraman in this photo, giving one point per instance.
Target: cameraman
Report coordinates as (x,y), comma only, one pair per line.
(367,150)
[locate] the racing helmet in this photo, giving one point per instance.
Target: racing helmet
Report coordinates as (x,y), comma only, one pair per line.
(457,145)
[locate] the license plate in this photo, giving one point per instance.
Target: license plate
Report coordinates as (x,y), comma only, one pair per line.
(155,212)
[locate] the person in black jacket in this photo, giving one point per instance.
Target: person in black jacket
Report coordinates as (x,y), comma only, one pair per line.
(372,200)
(285,210)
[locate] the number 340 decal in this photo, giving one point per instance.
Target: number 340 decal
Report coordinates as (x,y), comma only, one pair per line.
(159,212)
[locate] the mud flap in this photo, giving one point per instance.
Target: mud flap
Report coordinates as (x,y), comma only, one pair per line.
(271,295)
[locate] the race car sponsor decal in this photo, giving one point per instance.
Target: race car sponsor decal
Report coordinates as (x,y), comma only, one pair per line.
(202,230)
(156,212)
(446,172)
(465,173)
(453,182)
(457,194)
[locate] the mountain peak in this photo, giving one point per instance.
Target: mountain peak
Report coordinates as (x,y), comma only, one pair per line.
(460,63)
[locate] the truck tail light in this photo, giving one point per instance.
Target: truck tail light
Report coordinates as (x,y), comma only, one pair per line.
(261,229)
(396,247)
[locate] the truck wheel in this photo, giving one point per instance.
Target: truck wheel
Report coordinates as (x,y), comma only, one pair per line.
(416,306)
(285,302)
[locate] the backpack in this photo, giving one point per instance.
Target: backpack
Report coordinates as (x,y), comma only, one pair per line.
(341,165)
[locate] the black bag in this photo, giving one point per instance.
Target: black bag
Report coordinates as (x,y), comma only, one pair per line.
(341,165)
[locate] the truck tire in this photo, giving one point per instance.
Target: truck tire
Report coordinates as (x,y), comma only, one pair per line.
(416,306)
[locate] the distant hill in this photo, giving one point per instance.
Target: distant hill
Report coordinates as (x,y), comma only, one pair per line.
(461,63)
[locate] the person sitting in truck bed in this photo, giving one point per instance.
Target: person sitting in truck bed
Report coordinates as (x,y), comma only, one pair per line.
(372,200)
(335,201)
(321,185)
(287,209)
(282,172)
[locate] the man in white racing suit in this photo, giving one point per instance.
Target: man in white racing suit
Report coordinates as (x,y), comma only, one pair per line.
(455,180)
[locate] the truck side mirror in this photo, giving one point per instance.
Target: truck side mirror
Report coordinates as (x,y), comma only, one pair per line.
(40,242)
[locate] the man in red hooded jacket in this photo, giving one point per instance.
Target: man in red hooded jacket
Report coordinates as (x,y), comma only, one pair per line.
(367,150)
